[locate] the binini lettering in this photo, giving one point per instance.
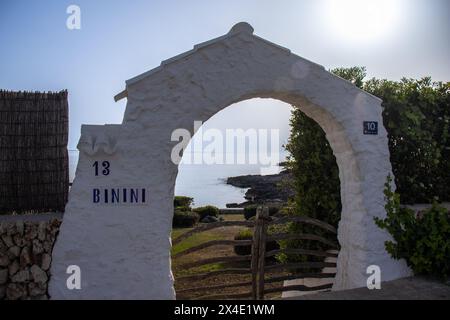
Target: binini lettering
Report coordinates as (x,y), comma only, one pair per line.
(119,196)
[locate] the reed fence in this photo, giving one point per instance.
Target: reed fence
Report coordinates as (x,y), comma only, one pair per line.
(34,171)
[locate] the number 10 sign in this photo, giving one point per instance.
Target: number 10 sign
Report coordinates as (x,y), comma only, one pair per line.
(370,127)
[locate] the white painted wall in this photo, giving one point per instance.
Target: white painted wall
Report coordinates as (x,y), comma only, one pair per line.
(124,251)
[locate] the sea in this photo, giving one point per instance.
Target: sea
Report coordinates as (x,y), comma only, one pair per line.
(205,183)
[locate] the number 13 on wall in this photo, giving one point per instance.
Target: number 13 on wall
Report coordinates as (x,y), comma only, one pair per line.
(104,168)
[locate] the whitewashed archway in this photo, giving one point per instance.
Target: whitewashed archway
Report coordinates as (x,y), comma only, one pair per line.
(123,249)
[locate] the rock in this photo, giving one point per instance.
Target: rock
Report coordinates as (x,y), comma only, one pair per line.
(19,240)
(209,219)
(4,260)
(7,240)
(13,252)
(21,276)
(25,258)
(263,188)
(39,275)
(55,228)
(2,292)
(37,247)
(3,276)
(37,289)
(41,231)
(30,231)
(20,227)
(48,246)
(13,267)
(10,229)
(15,291)
(3,247)
(46,261)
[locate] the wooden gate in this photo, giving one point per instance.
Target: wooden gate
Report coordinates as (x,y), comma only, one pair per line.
(262,276)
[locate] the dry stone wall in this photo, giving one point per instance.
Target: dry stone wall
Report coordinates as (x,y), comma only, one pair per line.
(25,256)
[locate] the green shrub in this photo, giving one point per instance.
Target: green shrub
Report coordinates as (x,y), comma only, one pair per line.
(183,203)
(422,240)
(207,211)
(184,219)
(250,211)
(284,211)
(247,234)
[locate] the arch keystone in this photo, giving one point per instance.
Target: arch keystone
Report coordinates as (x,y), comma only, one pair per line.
(243,27)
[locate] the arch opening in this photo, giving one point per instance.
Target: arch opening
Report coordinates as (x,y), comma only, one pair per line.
(235,141)
(223,120)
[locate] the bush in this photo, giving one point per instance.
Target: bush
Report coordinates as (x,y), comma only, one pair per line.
(184,219)
(247,234)
(422,240)
(273,211)
(183,203)
(207,211)
(250,211)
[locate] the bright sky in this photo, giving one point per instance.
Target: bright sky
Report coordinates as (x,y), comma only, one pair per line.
(121,39)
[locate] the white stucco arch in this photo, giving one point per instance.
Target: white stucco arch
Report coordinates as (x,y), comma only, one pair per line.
(124,251)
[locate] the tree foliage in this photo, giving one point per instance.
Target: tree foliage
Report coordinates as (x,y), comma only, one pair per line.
(313,165)
(416,115)
(355,75)
(316,182)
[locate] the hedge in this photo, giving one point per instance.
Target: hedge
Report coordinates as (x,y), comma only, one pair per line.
(416,114)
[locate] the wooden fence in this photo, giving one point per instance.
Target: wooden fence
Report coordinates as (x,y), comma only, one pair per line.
(34,173)
(258,257)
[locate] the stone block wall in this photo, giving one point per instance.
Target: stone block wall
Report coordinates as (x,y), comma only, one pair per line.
(26,244)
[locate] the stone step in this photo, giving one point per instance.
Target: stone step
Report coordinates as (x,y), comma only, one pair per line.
(311,282)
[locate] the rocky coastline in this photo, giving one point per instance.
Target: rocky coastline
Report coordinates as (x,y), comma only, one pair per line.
(273,189)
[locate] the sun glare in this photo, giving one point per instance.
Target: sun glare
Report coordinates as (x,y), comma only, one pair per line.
(362,20)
